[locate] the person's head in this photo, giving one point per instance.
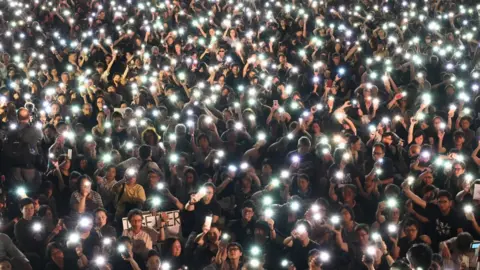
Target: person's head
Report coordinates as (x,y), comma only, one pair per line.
(131,176)
(459,137)
(464,240)
(347,214)
(210,192)
(355,143)
(135,217)
(203,141)
(27,207)
(363,234)
(378,151)
(387,138)
(349,192)
(420,256)
(248,210)
(213,235)
(234,251)
(55,253)
(410,228)
(23,115)
(173,247)
(303,182)
(303,145)
(110,171)
(465,122)
(458,168)
(444,201)
(87,109)
(100,217)
(5,264)
(84,184)
(145,152)
(153,260)
(303,229)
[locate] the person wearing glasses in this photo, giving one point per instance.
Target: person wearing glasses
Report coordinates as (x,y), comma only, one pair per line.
(454,182)
(412,236)
(382,168)
(443,220)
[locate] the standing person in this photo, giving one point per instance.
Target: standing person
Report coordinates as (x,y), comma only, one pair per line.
(20,154)
(202,206)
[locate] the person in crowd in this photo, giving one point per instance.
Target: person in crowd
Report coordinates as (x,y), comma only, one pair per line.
(225,124)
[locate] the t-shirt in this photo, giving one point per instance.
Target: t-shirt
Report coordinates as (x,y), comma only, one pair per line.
(298,254)
(442,227)
(404,244)
(202,210)
(243,234)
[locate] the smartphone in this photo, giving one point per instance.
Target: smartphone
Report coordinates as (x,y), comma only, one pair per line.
(208,222)
(475,245)
(69,154)
(275,102)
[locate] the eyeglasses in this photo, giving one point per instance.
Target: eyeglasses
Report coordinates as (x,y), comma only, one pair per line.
(377,153)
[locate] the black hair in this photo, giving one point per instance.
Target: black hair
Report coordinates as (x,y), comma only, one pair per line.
(25,201)
(463,242)
(134,212)
(145,151)
(444,193)
(420,256)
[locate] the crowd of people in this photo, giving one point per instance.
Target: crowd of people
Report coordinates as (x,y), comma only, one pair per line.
(232,135)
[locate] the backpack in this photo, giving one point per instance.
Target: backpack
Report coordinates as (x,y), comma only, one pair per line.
(17,152)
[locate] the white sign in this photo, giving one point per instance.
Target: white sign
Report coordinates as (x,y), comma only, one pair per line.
(172,226)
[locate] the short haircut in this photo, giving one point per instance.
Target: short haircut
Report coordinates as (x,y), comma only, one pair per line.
(144,151)
(100,209)
(25,201)
(420,256)
(444,193)
(381,145)
(134,212)
(362,227)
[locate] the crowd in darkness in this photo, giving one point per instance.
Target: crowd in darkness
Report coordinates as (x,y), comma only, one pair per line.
(235,135)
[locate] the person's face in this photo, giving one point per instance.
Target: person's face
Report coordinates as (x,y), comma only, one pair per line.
(213,234)
(83,163)
(87,110)
(458,170)
(459,140)
(346,215)
(100,103)
(465,124)
(266,169)
(377,153)
(54,72)
(116,78)
(189,177)
(100,219)
(387,140)
(136,222)
(436,123)
(176,249)
(411,232)
(428,179)
(28,211)
(36,205)
(234,253)
(132,180)
(221,53)
(302,149)
(5,265)
(302,184)
(363,237)
(209,196)
(336,60)
(85,186)
(247,213)
(395,214)
(419,140)
(316,128)
(357,146)
(57,256)
(444,204)
(55,109)
(153,263)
